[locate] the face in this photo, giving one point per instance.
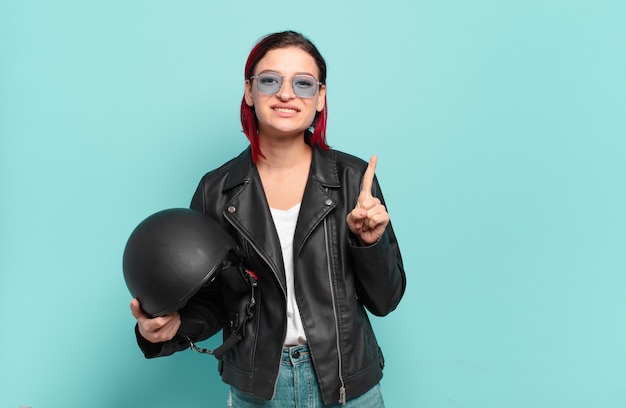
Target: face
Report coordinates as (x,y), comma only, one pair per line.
(284,112)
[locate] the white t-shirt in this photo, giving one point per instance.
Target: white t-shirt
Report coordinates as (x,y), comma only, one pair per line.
(285,222)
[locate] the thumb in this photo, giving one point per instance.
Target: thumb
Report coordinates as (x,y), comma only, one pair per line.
(135,308)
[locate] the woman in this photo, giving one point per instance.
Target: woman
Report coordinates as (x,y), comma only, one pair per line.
(313,229)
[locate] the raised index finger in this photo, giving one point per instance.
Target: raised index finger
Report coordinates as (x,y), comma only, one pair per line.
(368,177)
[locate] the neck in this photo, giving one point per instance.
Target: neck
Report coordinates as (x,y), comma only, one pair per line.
(284,153)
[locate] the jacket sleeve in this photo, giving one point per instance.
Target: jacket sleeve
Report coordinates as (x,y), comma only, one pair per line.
(200,319)
(380,276)
(380,280)
(152,350)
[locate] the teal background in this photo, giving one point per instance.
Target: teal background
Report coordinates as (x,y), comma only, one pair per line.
(500,129)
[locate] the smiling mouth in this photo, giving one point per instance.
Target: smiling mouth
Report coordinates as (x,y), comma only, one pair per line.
(286,110)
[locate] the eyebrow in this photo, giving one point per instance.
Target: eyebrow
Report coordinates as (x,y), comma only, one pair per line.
(266,71)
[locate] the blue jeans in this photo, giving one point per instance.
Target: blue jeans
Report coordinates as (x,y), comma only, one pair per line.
(297,387)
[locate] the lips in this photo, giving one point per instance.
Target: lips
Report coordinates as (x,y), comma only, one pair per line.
(285,109)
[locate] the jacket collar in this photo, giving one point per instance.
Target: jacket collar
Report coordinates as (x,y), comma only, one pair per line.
(239,170)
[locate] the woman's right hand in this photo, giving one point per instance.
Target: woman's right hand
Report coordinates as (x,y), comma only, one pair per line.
(158,329)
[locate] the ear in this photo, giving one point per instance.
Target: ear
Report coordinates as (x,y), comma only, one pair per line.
(247,93)
(321,98)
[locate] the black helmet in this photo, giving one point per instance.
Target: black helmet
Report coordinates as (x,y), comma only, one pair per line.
(171,255)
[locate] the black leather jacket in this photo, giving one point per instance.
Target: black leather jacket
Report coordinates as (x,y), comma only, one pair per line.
(335,279)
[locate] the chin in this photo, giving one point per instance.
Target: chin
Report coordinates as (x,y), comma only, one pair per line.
(285,130)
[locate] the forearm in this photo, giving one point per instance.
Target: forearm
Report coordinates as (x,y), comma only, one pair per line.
(380,275)
(199,320)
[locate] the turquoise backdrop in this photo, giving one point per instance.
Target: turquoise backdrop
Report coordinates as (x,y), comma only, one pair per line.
(501,133)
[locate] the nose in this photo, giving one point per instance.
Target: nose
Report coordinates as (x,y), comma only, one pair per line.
(285,92)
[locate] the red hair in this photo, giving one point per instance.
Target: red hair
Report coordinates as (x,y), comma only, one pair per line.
(249,121)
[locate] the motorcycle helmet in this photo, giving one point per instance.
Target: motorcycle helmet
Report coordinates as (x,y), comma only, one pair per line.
(171,255)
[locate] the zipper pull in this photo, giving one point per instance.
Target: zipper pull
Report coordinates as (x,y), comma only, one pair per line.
(342,396)
(252,278)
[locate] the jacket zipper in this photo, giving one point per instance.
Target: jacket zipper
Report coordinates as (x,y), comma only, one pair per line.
(342,389)
(275,275)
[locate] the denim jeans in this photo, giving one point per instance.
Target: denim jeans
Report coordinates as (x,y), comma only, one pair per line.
(297,387)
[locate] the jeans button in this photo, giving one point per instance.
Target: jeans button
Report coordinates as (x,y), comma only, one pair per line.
(295,354)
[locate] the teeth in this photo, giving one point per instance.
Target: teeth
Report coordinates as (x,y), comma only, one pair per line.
(286,110)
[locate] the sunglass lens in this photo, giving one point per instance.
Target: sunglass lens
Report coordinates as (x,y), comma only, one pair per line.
(304,86)
(269,83)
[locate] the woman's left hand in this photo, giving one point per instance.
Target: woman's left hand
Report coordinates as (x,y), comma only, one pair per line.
(369,218)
